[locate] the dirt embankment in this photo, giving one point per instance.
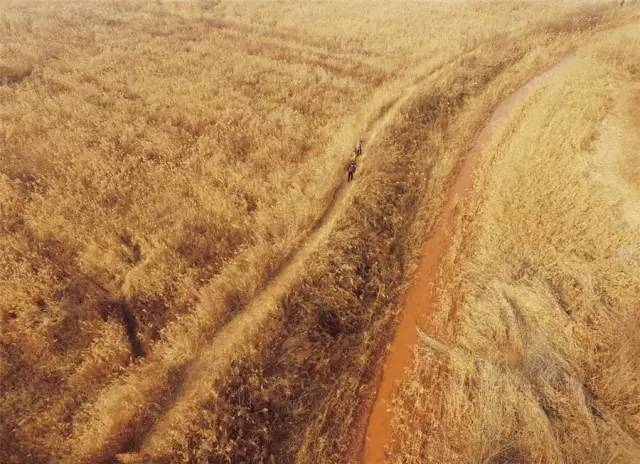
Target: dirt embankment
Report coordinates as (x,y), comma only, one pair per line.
(531,356)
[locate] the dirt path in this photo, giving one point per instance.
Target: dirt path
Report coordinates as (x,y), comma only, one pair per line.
(218,354)
(421,298)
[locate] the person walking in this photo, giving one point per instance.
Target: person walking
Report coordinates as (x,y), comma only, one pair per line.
(359,148)
(351,170)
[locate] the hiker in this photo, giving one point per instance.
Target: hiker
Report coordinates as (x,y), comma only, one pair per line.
(359,148)
(351,170)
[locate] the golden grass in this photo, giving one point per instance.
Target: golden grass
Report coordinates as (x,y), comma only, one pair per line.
(534,357)
(159,162)
(294,396)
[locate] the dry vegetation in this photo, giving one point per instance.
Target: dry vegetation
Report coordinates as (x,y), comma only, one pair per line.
(159,162)
(534,355)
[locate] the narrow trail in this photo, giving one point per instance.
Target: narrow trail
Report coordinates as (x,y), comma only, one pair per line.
(219,352)
(129,437)
(421,299)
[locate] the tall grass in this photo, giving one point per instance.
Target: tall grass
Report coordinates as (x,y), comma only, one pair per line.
(158,161)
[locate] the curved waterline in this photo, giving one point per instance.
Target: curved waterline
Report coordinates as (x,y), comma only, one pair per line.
(420,300)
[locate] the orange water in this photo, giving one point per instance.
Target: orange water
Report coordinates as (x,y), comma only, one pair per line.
(420,299)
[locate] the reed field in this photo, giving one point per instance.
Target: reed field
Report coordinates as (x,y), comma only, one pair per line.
(185,275)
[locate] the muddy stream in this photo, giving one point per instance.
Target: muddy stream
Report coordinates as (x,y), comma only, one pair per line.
(420,299)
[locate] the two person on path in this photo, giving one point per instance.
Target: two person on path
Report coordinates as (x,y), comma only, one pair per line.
(351,168)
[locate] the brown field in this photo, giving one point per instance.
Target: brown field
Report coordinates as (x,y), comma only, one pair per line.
(185,276)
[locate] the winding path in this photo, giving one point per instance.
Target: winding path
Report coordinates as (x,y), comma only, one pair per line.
(421,298)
